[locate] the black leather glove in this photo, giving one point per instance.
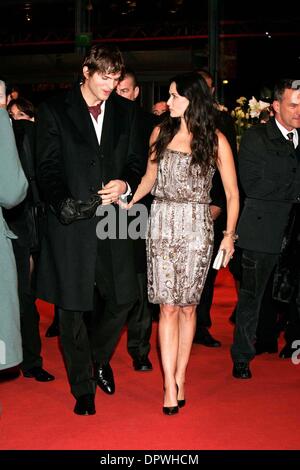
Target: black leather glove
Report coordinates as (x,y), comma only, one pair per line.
(71,210)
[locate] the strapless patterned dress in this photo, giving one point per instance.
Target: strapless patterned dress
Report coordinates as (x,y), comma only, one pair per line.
(180,231)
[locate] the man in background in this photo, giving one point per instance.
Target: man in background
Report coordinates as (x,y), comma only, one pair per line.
(269,170)
(160,108)
(140,317)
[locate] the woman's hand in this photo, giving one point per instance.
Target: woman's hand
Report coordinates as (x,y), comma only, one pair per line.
(227,244)
(125,205)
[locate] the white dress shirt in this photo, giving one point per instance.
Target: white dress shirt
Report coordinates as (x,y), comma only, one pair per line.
(285,132)
(98,125)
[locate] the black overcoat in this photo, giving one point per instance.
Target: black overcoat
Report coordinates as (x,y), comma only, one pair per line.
(71,163)
(269,172)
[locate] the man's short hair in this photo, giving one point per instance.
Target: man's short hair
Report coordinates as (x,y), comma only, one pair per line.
(131,73)
(106,59)
(282,85)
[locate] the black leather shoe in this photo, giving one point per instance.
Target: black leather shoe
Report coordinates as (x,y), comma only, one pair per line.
(170,410)
(39,374)
(241,370)
(204,337)
(142,364)
(105,378)
(286,352)
(53,330)
(85,405)
(267,347)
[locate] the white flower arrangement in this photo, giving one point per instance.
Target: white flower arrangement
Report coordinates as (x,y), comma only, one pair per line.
(247,113)
(256,107)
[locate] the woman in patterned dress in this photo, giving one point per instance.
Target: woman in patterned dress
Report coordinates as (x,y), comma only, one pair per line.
(184,151)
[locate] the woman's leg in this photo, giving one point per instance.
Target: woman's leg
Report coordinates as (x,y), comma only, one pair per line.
(168,337)
(187,326)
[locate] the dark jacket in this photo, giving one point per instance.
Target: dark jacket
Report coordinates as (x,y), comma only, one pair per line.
(18,218)
(269,170)
(287,273)
(70,163)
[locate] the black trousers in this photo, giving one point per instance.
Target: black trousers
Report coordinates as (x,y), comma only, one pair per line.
(77,352)
(266,331)
(257,269)
(292,331)
(104,324)
(139,322)
(91,337)
(29,316)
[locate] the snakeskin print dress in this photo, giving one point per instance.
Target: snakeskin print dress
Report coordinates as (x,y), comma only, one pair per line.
(180,231)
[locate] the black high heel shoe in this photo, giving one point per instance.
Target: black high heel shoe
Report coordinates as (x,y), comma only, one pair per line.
(170,410)
(181,403)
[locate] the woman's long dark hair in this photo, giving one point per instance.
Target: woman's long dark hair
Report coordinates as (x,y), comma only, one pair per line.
(199,117)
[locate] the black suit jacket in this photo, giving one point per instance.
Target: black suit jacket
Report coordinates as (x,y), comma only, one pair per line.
(18,217)
(269,171)
(71,163)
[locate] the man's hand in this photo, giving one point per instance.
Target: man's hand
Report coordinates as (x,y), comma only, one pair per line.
(111,192)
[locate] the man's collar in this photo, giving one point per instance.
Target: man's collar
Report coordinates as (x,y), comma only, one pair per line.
(283,130)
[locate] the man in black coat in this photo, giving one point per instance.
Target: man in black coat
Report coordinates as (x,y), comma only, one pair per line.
(269,170)
(82,153)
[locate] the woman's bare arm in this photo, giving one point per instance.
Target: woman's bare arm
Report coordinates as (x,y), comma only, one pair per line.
(227,171)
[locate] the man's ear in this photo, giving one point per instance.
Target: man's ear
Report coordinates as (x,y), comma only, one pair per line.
(136,92)
(85,72)
(276,106)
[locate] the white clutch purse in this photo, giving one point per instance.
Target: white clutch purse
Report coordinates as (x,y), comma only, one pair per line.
(219,259)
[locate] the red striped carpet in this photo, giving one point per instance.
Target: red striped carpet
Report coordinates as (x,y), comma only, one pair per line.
(221,412)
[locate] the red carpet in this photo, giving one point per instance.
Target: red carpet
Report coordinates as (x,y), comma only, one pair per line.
(221,412)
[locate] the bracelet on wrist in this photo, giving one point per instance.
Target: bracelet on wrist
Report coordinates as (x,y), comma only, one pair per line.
(231,234)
